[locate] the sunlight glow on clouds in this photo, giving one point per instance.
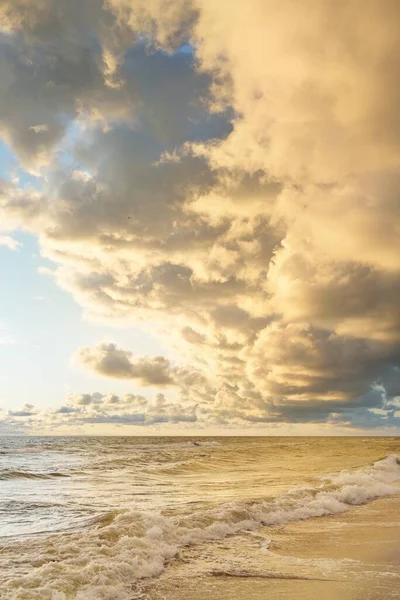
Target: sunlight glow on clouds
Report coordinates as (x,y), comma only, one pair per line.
(242,198)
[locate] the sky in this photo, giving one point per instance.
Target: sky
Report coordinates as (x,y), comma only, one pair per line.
(199,217)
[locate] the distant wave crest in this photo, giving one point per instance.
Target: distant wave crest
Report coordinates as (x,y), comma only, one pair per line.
(14,474)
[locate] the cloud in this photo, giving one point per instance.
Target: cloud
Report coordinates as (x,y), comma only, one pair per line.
(99,409)
(110,361)
(130,412)
(309,110)
(26,411)
(9,242)
(242,198)
(299,362)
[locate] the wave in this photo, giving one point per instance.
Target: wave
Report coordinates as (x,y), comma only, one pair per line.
(183,444)
(209,444)
(13,474)
(34,449)
(121,547)
(13,451)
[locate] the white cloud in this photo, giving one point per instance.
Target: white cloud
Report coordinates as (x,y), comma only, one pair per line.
(9,242)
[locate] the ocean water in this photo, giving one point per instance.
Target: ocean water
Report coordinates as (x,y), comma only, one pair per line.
(92,518)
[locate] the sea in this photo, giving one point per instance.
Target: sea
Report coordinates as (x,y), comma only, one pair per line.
(112,518)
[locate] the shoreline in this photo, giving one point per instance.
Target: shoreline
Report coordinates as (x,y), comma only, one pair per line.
(350,556)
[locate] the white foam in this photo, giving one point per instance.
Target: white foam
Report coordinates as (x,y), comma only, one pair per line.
(104,562)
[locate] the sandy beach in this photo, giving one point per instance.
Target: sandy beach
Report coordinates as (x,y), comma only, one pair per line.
(354,556)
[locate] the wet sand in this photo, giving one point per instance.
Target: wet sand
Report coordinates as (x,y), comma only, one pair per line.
(353,556)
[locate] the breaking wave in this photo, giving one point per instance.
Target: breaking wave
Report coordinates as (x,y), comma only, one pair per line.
(120,547)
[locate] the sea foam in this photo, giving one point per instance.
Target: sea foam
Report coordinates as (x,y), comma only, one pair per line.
(120,548)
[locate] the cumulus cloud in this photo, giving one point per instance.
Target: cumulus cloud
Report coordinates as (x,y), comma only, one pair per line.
(228,172)
(298,362)
(99,409)
(110,361)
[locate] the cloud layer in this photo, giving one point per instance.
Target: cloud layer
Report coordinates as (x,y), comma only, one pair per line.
(97,409)
(228,172)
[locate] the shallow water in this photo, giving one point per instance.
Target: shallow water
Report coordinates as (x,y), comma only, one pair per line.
(87,518)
